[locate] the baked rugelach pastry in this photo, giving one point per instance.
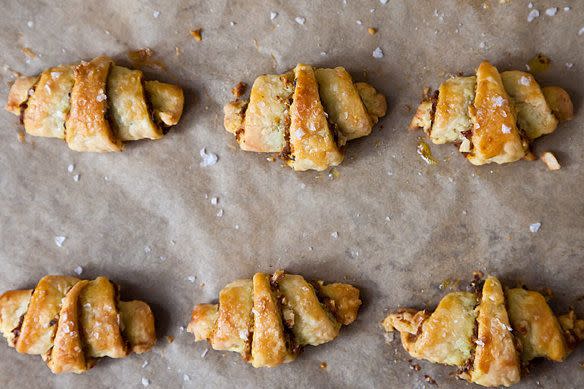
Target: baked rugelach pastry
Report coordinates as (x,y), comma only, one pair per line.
(492,116)
(269,319)
(95,106)
(71,323)
(305,115)
(489,334)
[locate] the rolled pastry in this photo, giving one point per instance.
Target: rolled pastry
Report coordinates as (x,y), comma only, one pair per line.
(95,106)
(71,323)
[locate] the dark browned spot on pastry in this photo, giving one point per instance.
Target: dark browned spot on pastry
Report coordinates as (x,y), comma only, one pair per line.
(239,133)
(16,331)
(53,321)
(239,89)
(143,57)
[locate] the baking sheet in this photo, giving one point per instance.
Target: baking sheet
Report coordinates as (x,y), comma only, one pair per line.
(145,218)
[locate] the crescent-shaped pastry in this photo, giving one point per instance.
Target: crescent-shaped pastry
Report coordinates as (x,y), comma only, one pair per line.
(268,319)
(306,115)
(488,334)
(492,116)
(72,322)
(95,106)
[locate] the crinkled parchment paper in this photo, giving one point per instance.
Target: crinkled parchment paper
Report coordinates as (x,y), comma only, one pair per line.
(145,217)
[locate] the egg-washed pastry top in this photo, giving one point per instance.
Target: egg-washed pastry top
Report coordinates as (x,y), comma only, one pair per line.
(306,115)
(269,319)
(488,334)
(95,106)
(492,116)
(71,323)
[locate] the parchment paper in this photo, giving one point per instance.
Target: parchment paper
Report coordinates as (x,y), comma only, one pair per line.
(145,219)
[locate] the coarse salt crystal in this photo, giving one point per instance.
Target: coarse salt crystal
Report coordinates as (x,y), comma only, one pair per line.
(566,9)
(505,129)
(55,75)
(30,24)
(147,249)
(480,342)
(204,354)
(70,168)
(581,32)
(214,200)
(498,101)
(532,15)
(335,235)
(220,213)
(209,159)
(569,65)
(378,53)
(144,364)
(145,381)
(186,377)
(76,178)
(384,1)
(156,14)
(191,279)
(524,81)
(59,240)
(78,270)
(359,22)
(273,15)
(551,11)
(530,5)
(534,227)
(101,97)
(300,20)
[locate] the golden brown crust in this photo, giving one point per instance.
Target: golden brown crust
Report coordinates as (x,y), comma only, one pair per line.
(48,107)
(275,316)
(342,300)
(87,126)
(312,143)
(534,116)
(268,348)
(128,111)
(496,361)
(70,322)
(99,320)
(267,116)
(67,353)
(167,101)
(343,104)
(235,318)
(560,103)
(138,325)
(535,326)
(375,102)
(495,136)
(19,94)
(13,306)
(40,322)
(451,118)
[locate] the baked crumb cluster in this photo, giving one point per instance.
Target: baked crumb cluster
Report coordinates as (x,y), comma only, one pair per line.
(269,319)
(488,333)
(95,106)
(493,117)
(306,115)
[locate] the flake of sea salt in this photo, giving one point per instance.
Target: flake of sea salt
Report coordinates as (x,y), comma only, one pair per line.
(552,11)
(76,178)
(505,129)
(335,235)
(569,65)
(144,364)
(530,5)
(220,213)
(273,15)
(147,249)
(378,53)
(186,377)
(209,159)
(59,240)
(359,22)
(214,200)
(534,227)
(383,2)
(581,32)
(533,14)
(70,168)
(498,101)
(101,97)
(78,270)
(30,24)
(204,354)
(524,81)
(300,20)
(191,279)
(156,14)
(145,381)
